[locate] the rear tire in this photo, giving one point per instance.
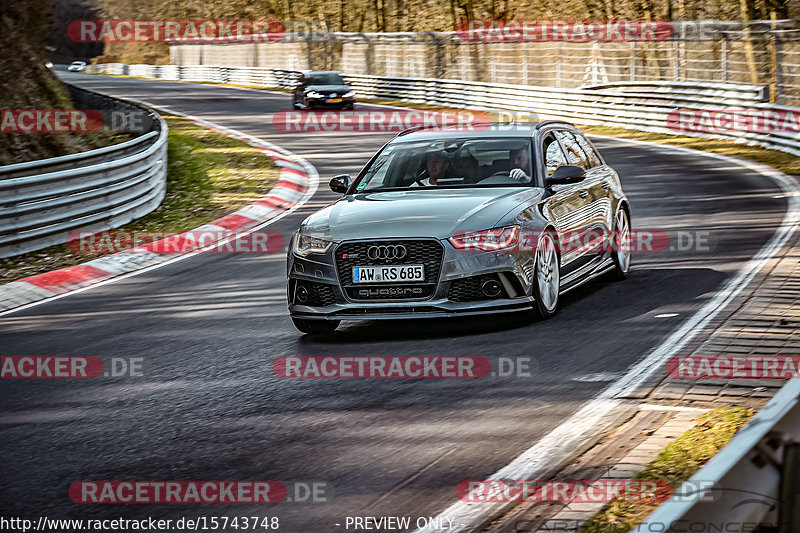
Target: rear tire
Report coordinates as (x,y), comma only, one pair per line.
(621,252)
(546,278)
(315,326)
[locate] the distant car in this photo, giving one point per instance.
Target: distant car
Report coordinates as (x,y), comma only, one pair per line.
(324,89)
(394,245)
(48,64)
(77,66)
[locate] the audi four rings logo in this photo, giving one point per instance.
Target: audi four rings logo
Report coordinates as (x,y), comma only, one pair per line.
(392,251)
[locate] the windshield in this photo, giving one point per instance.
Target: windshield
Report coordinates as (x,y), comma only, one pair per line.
(451,163)
(327,78)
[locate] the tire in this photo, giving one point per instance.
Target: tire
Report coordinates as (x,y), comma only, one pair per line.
(315,326)
(546,278)
(620,252)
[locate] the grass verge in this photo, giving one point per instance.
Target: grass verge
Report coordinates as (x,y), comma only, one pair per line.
(786,163)
(208,176)
(675,464)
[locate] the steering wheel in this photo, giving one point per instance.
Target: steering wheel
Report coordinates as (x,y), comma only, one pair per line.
(421,176)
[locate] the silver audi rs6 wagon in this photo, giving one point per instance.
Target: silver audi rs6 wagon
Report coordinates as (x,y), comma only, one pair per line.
(446,222)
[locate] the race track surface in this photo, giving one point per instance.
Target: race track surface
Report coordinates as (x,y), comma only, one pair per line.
(209,327)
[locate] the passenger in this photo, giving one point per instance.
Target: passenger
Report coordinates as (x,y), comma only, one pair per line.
(435,167)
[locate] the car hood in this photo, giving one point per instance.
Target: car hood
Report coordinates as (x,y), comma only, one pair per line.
(435,213)
(339,89)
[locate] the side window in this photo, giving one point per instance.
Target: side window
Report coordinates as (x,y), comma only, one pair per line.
(553,155)
(575,154)
(591,153)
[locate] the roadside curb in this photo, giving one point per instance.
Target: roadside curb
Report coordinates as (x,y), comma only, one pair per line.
(297,182)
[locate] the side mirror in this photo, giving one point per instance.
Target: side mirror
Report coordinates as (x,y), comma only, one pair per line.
(341,183)
(566,174)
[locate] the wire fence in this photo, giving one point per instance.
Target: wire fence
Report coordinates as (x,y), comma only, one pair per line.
(754,52)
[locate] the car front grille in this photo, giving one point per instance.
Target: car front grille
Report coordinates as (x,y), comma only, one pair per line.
(428,253)
(471,289)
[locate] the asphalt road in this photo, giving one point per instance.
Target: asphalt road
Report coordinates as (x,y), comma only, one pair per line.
(209,328)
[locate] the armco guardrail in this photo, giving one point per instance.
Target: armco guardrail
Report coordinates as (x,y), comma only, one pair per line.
(42,201)
(640,105)
(754,481)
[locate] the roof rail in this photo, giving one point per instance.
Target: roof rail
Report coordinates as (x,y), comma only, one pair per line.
(479,123)
(410,130)
(553,121)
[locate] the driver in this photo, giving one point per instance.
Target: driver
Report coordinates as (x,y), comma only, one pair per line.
(520,159)
(435,166)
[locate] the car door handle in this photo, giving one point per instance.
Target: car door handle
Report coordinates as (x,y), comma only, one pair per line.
(583,194)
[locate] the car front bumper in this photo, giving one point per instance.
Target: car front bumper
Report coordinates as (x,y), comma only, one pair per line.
(514,271)
(323,102)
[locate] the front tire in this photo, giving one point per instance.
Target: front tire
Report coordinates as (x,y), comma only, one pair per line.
(315,327)
(621,247)
(547,277)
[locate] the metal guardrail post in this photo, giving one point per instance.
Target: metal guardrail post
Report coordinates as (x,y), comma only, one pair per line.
(559,66)
(778,66)
(789,510)
(724,58)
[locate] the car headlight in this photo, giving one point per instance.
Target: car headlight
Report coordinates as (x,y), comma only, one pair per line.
(349,94)
(313,94)
(305,245)
(488,240)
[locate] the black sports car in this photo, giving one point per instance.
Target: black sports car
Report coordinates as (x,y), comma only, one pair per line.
(324,89)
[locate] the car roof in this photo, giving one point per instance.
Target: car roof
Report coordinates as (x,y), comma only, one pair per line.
(491,129)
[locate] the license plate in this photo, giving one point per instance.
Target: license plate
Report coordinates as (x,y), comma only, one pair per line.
(334,100)
(388,274)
